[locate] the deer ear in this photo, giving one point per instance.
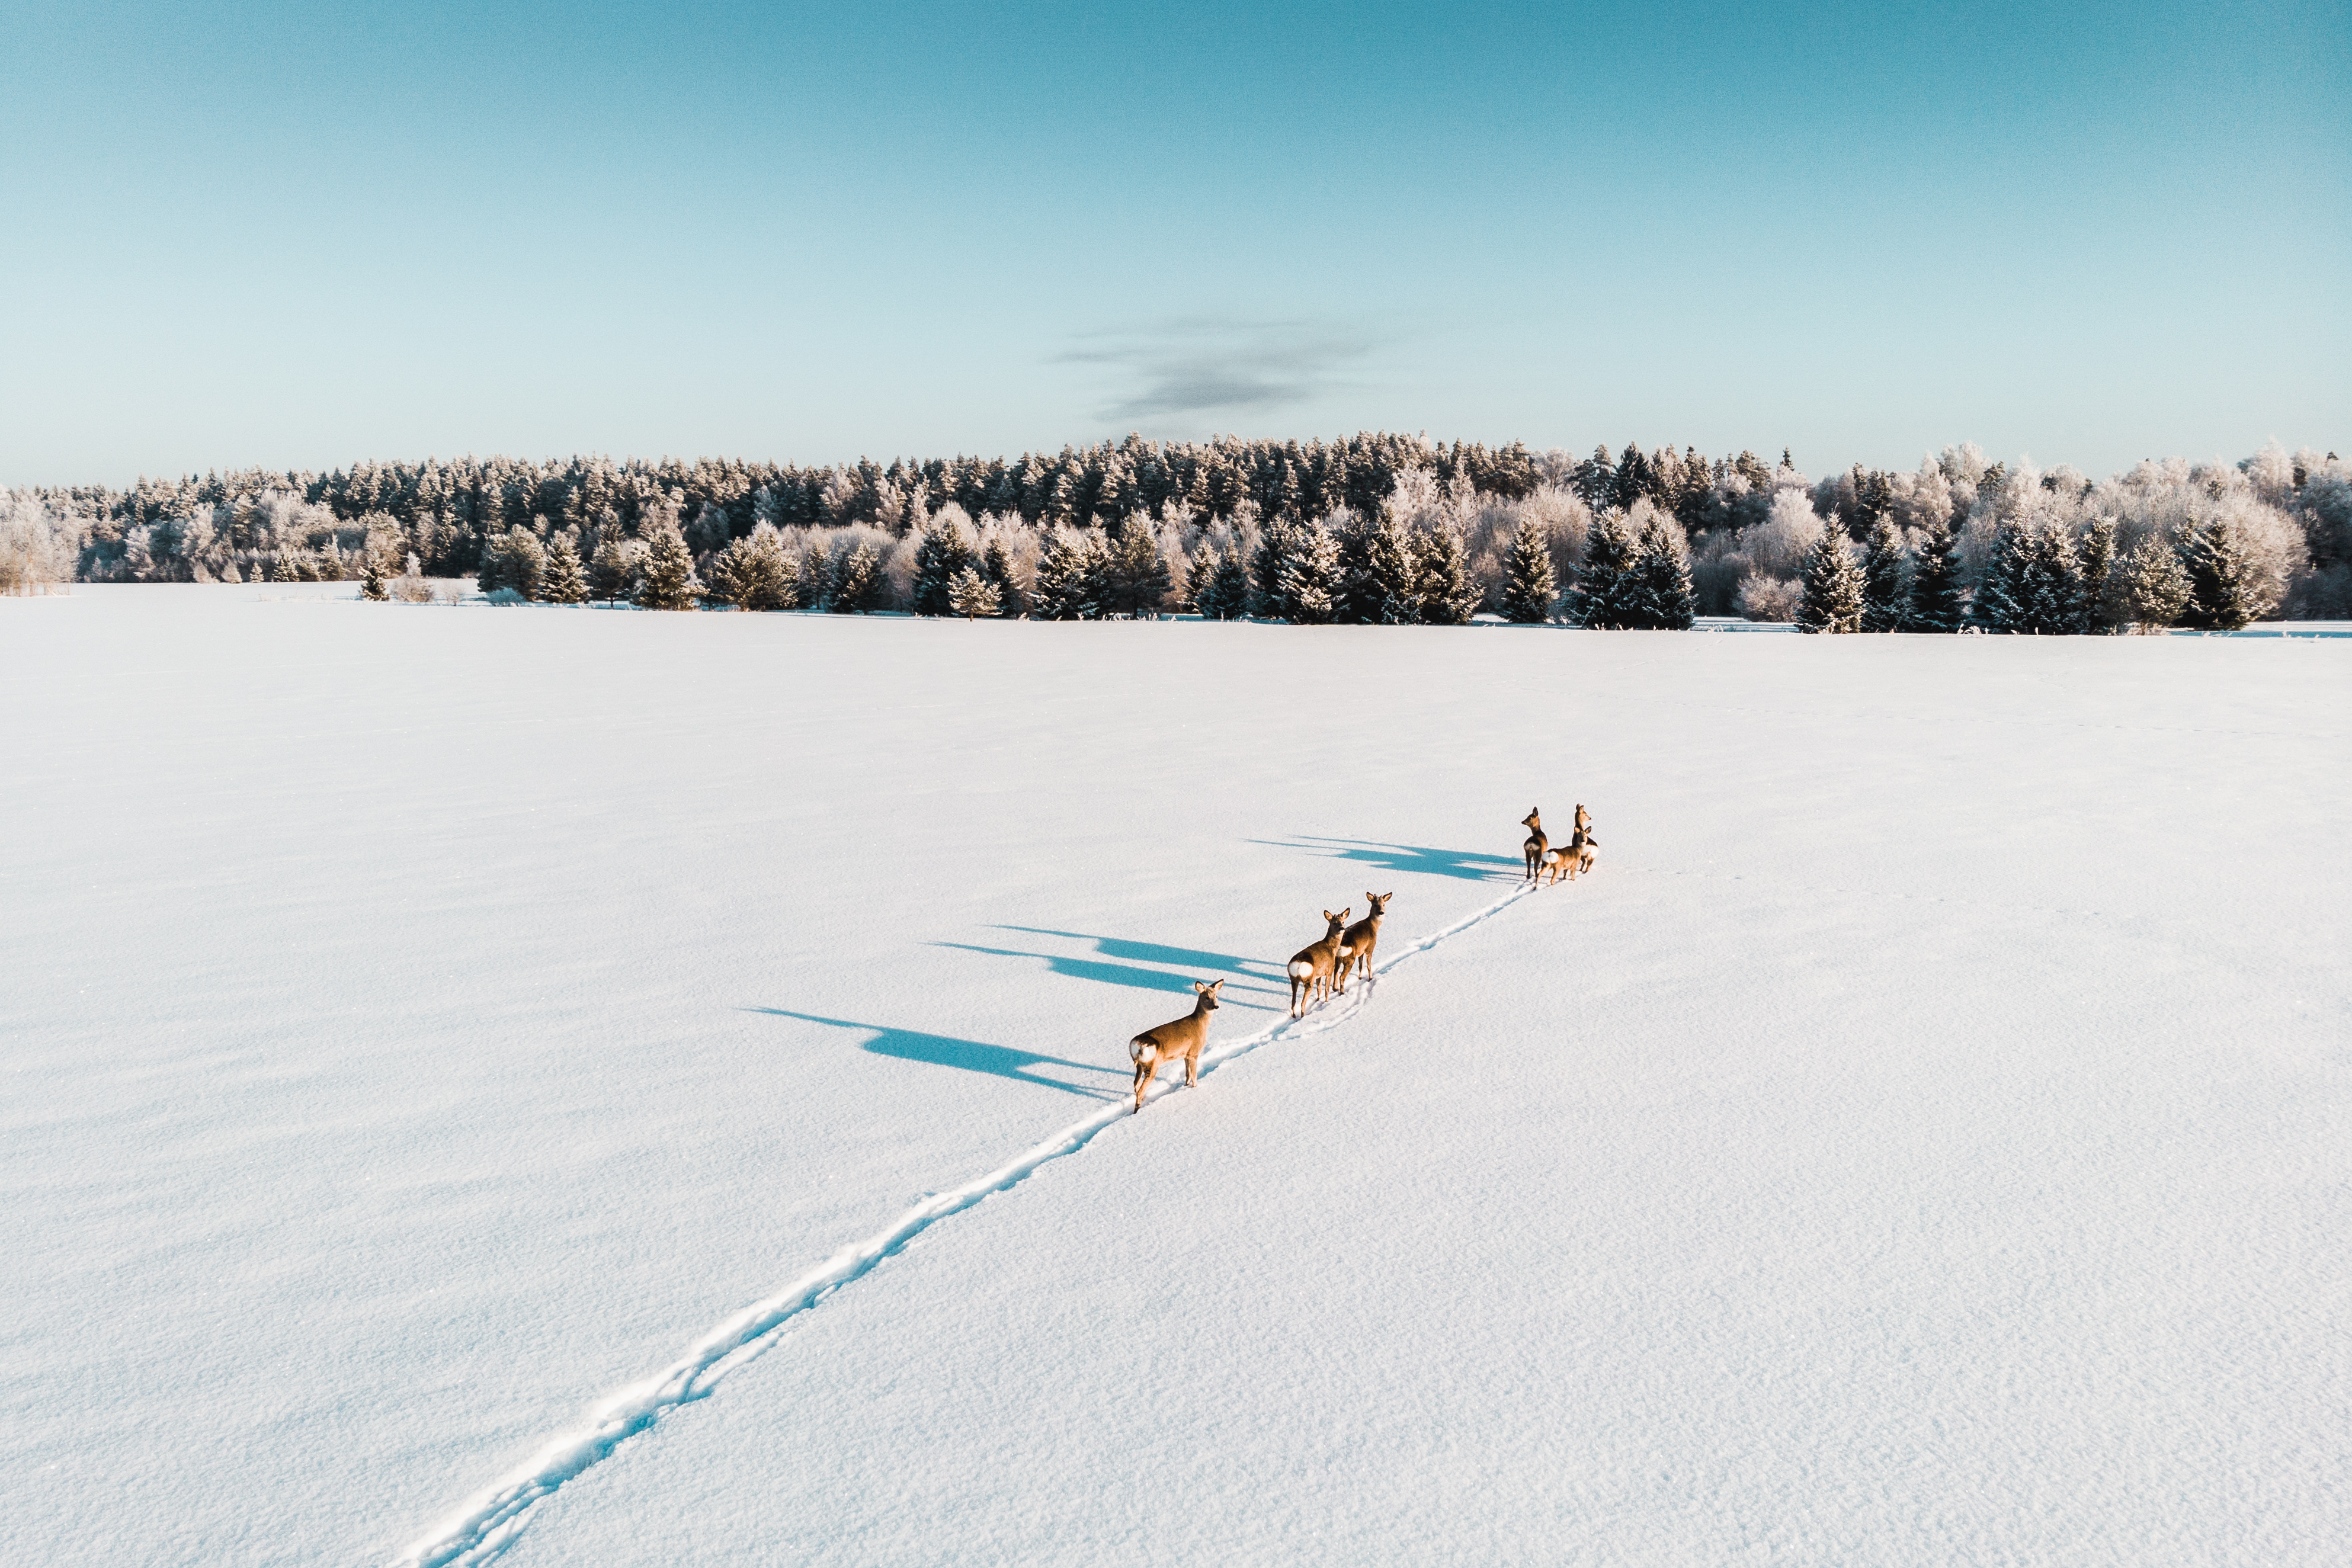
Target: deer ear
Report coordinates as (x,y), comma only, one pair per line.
(1198,986)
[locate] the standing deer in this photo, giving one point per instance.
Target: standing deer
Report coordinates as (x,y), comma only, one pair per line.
(1356,945)
(1583,819)
(1183,1037)
(1537,843)
(1571,857)
(1311,966)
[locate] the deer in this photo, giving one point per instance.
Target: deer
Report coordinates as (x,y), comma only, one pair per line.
(1537,843)
(1583,819)
(1574,856)
(1311,966)
(1181,1036)
(1357,943)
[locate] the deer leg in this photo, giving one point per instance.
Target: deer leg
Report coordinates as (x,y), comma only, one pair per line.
(1145,1070)
(1192,1070)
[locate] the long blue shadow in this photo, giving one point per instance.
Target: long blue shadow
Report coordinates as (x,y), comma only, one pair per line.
(970,1055)
(1466,864)
(1157,952)
(1133,975)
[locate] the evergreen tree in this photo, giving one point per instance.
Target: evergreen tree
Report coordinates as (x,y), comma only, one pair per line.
(1935,602)
(1664,575)
(1832,586)
(1225,595)
(1310,574)
(940,554)
(2154,587)
(371,579)
(666,580)
(1884,598)
(1068,578)
(281,566)
(858,584)
(1608,592)
(1269,570)
(1392,573)
(2004,596)
(2104,607)
(973,595)
(490,572)
(1528,590)
(752,572)
(2220,575)
(564,584)
(1361,598)
(612,576)
(996,565)
(2031,585)
(1135,574)
(1448,596)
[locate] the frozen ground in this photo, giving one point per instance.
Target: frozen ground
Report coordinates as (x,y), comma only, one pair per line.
(1923,1139)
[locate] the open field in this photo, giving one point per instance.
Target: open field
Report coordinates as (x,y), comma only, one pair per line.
(1925,1137)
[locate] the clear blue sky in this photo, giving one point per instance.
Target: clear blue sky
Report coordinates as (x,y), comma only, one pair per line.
(246,234)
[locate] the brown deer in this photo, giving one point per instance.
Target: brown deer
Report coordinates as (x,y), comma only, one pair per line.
(1570,858)
(1357,943)
(1311,966)
(1537,843)
(1583,819)
(1183,1037)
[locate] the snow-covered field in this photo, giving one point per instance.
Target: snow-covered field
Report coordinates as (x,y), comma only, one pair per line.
(1925,1137)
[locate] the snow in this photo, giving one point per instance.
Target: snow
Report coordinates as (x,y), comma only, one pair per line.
(434,1032)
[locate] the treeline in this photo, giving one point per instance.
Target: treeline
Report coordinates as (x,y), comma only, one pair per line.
(1373,528)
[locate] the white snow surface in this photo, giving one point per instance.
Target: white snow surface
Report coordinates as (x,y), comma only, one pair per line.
(585,1086)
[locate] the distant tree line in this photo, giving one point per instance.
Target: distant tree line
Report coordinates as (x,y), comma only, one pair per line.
(1373,528)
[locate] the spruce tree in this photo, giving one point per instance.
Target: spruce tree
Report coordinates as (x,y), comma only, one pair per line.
(1361,597)
(281,566)
(1528,590)
(1268,572)
(2220,575)
(2095,567)
(666,580)
(2004,597)
(973,595)
(1224,596)
(1608,591)
(2154,587)
(1664,575)
(858,584)
(1448,596)
(940,553)
(1392,573)
(1066,578)
(1935,602)
(996,565)
(1310,572)
(1884,598)
(564,584)
(1833,586)
(371,579)
(1135,574)
(490,572)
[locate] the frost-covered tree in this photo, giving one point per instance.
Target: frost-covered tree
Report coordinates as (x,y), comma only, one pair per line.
(1884,598)
(996,565)
(973,595)
(371,579)
(1069,584)
(1934,602)
(943,550)
(2222,592)
(1663,571)
(1832,602)
(1134,573)
(2102,606)
(1608,594)
(612,576)
(1449,596)
(2031,583)
(1392,573)
(2154,587)
(1310,575)
(1530,589)
(753,572)
(666,581)
(1267,569)
(565,583)
(1224,593)
(858,585)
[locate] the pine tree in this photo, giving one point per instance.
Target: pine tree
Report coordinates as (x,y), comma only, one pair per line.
(1608,591)
(1225,595)
(1664,575)
(858,584)
(2103,606)
(1935,602)
(2220,576)
(612,577)
(1832,586)
(1448,596)
(1392,573)
(666,580)
(973,595)
(1310,575)
(1528,590)
(564,584)
(1068,578)
(371,579)
(942,552)
(1135,574)
(2156,588)
(1884,598)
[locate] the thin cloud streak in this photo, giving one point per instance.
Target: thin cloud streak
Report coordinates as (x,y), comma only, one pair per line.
(1205,365)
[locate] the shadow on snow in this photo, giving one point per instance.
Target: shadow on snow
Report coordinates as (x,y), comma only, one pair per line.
(1188,964)
(1421,858)
(971,1055)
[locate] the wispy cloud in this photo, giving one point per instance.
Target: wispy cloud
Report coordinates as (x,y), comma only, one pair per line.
(1209,365)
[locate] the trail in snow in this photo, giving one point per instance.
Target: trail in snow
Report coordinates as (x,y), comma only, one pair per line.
(492,1522)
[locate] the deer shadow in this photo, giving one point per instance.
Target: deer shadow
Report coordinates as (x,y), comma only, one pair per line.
(969,1055)
(1464,865)
(1190,964)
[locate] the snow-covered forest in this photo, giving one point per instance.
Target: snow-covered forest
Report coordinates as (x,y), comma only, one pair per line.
(1373,528)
